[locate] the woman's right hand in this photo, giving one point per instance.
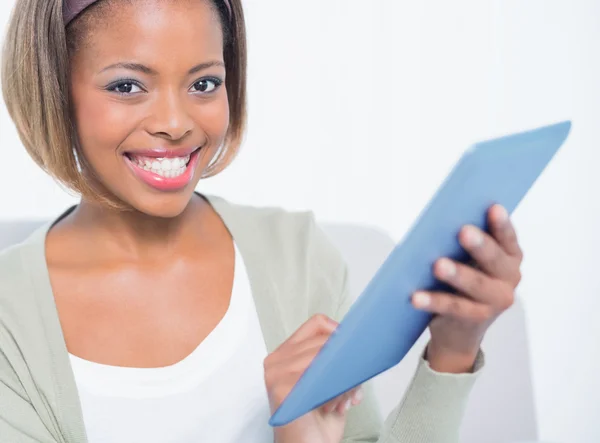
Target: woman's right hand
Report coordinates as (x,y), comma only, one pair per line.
(283,369)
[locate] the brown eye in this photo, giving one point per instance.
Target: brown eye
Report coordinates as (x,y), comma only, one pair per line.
(125,88)
(206,86)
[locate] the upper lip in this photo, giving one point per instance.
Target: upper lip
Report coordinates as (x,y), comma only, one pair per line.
(160,152)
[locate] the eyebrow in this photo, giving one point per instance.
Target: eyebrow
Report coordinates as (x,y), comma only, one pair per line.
(149,71)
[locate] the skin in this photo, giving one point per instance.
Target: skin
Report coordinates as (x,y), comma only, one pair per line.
(103,263)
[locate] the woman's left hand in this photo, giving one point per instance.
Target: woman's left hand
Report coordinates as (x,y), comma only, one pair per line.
(485,291)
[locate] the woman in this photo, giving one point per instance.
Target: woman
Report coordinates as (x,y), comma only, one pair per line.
(150,313)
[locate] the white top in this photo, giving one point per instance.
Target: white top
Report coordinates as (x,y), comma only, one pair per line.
(216,394)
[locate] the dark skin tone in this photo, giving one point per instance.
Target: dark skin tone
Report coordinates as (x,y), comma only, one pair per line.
(104,263)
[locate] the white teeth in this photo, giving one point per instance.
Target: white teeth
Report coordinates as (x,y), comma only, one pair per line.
(171,173)
(165,164)
(165,167)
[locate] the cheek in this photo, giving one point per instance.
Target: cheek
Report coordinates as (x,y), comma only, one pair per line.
(212,118)
(102,125)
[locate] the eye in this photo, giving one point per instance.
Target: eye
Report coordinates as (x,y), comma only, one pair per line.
(125,87)
(206,85)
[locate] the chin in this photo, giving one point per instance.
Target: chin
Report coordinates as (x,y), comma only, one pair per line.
(162,206)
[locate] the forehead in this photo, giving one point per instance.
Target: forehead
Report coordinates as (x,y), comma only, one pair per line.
(153,31)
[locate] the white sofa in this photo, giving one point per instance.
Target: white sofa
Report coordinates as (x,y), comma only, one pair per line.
(501,409)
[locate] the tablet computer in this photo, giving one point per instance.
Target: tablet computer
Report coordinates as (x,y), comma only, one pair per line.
(382,325)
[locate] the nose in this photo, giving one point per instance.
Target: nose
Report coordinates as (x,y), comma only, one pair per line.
(169,118)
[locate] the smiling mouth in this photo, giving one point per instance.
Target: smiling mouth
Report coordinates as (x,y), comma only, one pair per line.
(168,167)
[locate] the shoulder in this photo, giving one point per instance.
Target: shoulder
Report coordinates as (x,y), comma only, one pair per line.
(18,241)
(11,269)
(16,308)
(277,230)
(297,252)
(276,221)
(18,265)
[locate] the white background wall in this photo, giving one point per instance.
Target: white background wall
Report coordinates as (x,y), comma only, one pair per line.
(359,108)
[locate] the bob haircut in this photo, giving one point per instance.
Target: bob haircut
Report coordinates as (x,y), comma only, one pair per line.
(35,87)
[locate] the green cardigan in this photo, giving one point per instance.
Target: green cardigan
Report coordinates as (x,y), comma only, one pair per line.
(294,273)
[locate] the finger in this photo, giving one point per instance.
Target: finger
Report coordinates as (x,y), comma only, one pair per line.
(314,344)
(452,305)
(344,405)
(279,385)
(475,284)
(291,349)
(298,352)
(290,367)
(358,396)
(317,324)
(337,404)
(284,368)
(487,253)
(503,231)
(351,398)
(344,402)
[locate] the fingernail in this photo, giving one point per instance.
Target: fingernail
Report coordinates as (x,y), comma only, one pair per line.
(348,405)
(502,214)
(446,268)
(473,239)
(422,299)
(358,396)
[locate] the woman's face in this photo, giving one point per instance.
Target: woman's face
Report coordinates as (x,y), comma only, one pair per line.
(150,102)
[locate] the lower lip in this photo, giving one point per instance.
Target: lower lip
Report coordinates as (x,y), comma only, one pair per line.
(166,183)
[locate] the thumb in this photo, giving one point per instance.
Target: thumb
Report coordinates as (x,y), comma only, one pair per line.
(316,325)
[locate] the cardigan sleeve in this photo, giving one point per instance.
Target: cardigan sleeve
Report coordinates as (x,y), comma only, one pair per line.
(432,408)
(19,421)
(25,415)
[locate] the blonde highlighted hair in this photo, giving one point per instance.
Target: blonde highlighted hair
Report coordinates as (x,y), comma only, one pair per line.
(35,87)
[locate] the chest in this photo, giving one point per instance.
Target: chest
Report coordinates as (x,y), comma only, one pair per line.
(141,315)
(191,400)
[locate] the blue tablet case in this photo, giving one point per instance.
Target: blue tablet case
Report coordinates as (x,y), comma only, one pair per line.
(382,326)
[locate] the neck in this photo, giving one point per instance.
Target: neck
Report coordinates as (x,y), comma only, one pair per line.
(136,234)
